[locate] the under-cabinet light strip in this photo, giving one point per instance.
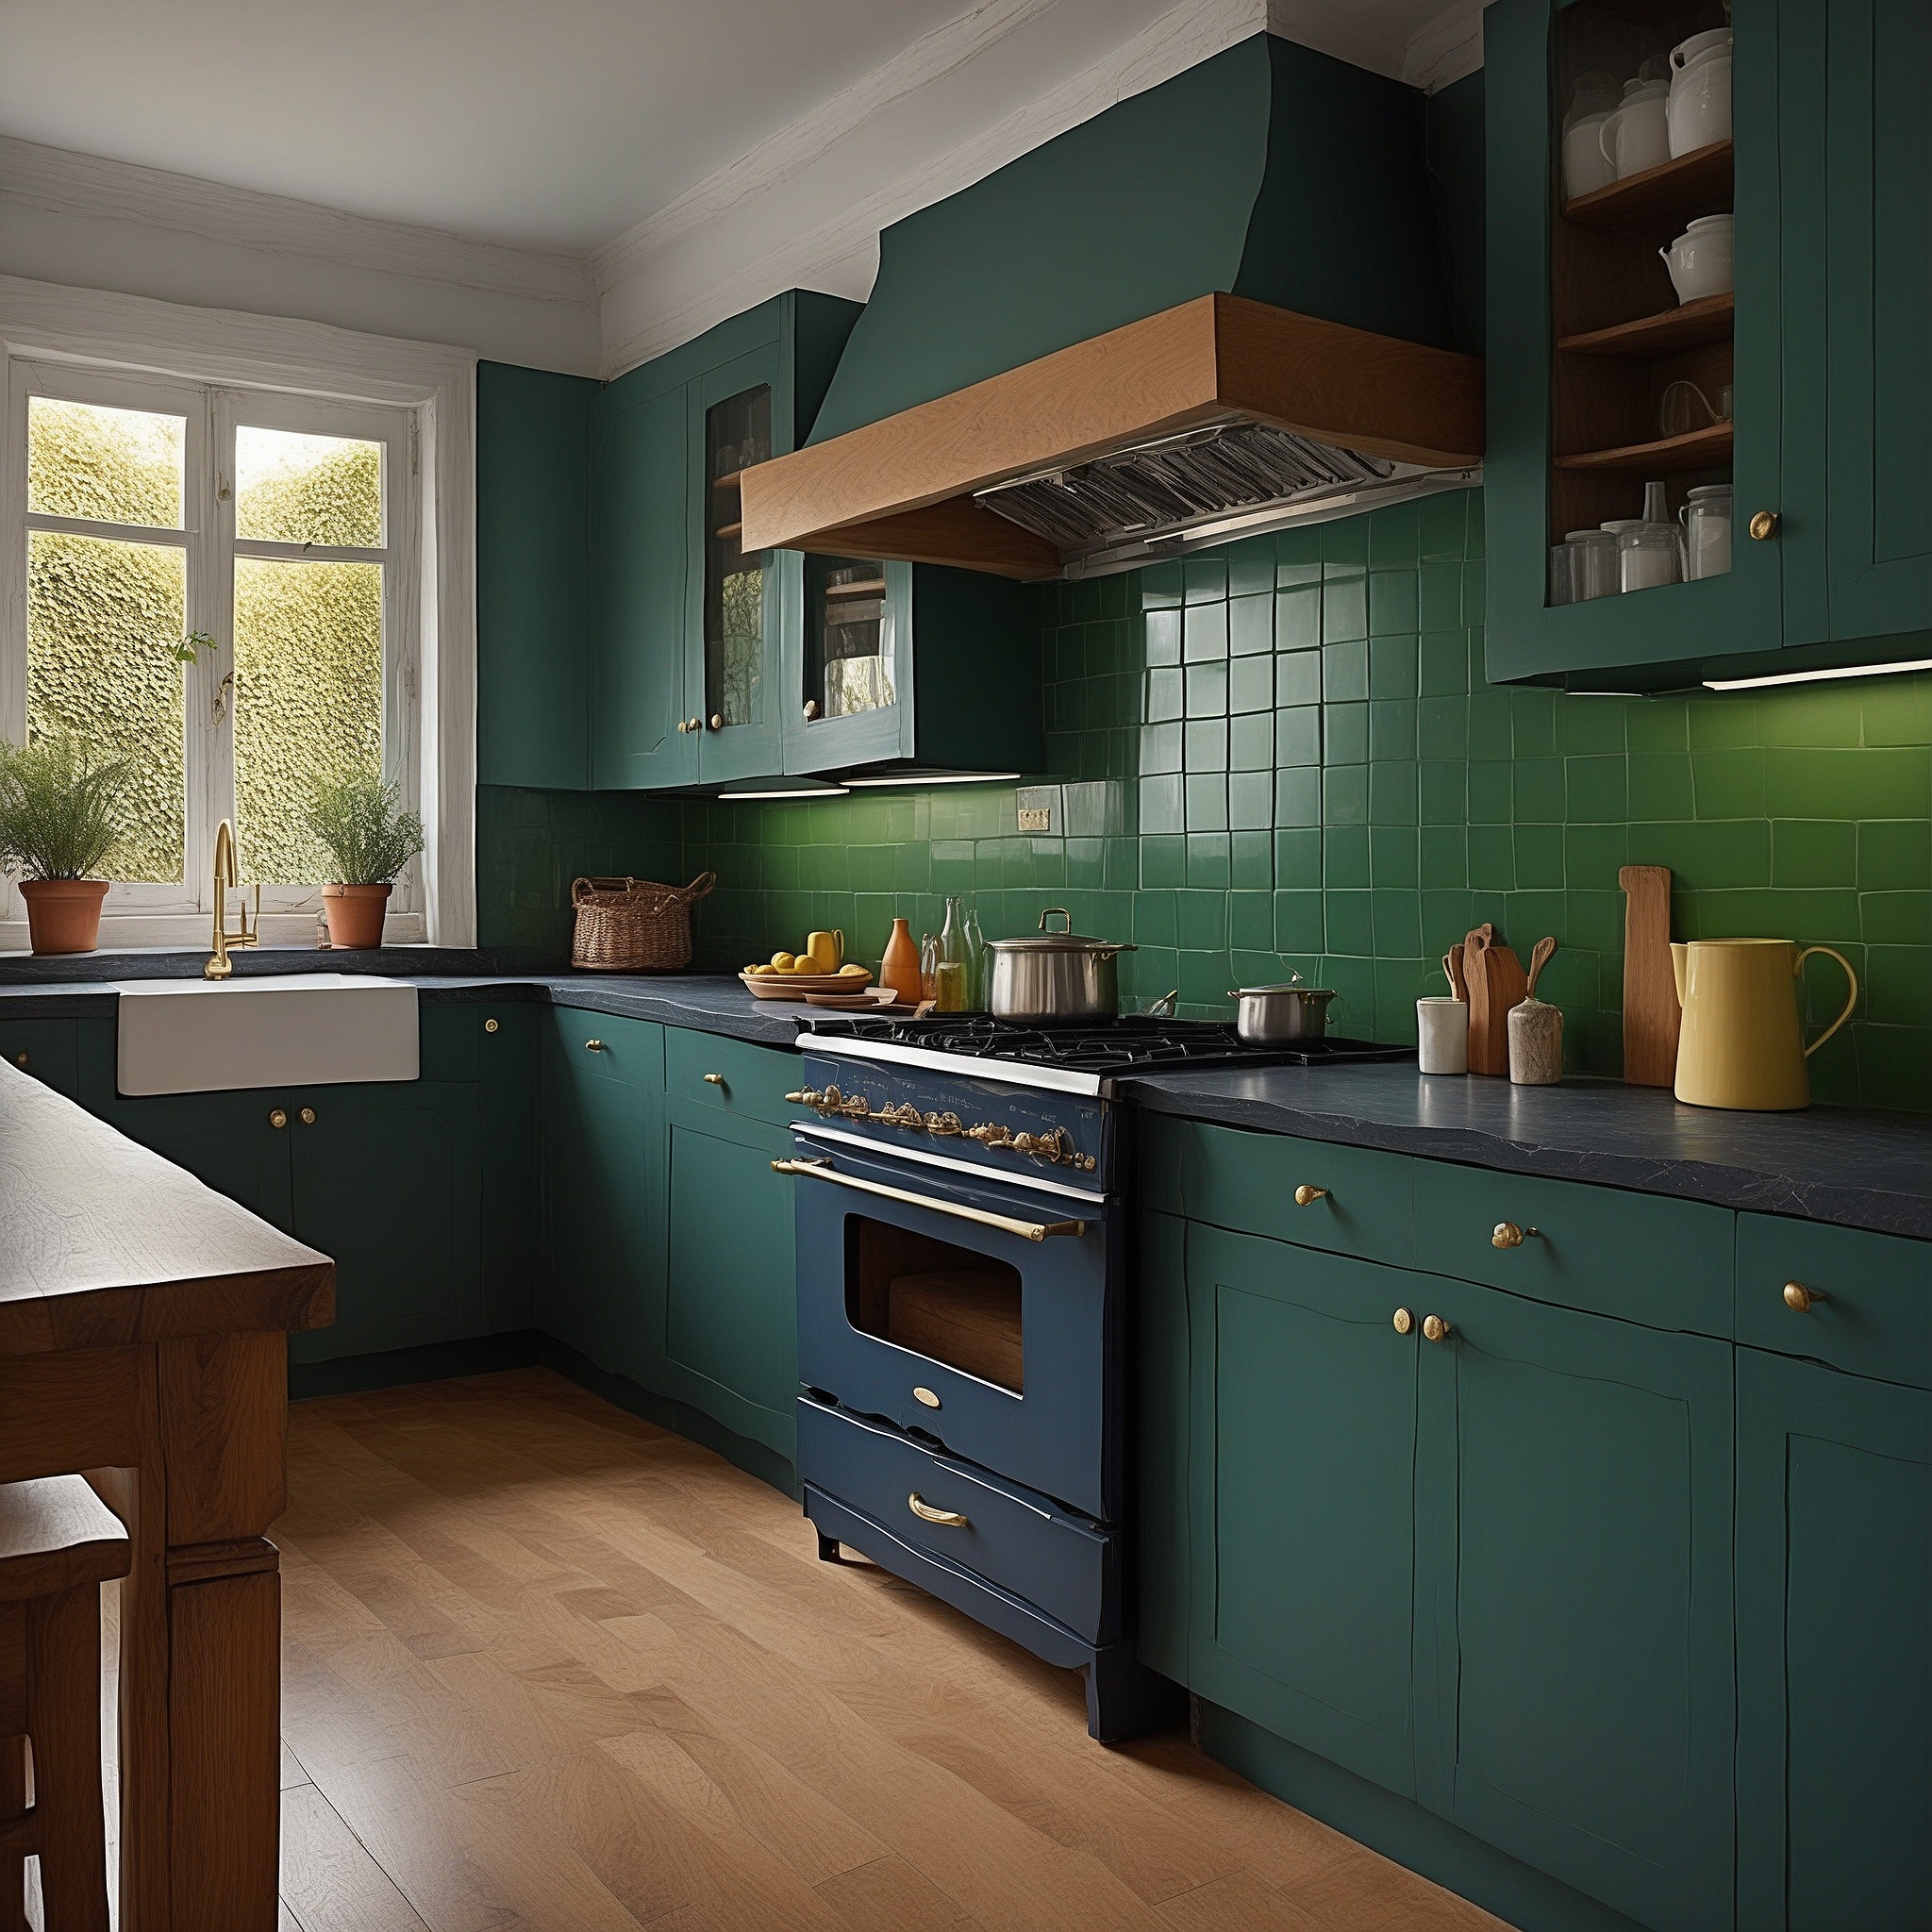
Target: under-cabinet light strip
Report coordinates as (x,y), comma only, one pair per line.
(912,779)
(813,791)
(1814,677)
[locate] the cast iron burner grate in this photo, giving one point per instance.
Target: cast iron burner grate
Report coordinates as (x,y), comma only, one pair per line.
(1098,1047)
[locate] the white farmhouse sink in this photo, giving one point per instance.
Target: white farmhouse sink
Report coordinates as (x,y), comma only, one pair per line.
(296,1029)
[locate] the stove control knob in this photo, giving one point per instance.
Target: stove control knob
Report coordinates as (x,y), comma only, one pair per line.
(1027,1143)
(806,1098)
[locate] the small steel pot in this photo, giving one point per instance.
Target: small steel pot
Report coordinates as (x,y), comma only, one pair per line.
(1272,1015)
(1056,976)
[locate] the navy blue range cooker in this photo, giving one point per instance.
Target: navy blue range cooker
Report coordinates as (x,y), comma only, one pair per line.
(961,1318)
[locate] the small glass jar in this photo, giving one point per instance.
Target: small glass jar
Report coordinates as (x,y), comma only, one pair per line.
(1705,518)
(1647,556)
(1595,565)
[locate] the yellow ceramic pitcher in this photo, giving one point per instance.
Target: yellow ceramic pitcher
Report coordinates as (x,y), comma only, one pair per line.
(1741,1044)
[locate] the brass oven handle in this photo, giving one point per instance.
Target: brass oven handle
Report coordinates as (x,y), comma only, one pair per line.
(1027,1230)
(926,1513)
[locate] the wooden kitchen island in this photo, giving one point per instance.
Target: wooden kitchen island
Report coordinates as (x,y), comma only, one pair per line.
(141,1341)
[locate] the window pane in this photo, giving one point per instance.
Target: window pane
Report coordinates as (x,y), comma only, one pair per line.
(308,703)
(293,489)
(102,623)
(115,466)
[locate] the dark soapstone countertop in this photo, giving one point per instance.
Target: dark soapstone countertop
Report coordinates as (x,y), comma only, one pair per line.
(1857,1166)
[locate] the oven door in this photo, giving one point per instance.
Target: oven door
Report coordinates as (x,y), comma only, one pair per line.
(982,1315)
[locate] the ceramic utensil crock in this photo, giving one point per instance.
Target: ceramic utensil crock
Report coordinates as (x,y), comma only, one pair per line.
(1442,1035)
(1741,1044)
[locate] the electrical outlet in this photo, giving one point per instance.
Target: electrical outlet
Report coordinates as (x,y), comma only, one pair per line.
(1036,818)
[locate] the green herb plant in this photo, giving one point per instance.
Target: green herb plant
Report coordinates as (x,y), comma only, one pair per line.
(61,809)
(368,834)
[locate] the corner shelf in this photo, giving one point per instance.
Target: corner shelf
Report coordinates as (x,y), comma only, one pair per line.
(1699,183)
(1701,449)
(1691,326)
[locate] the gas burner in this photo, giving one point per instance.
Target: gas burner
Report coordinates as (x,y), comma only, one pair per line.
(1089,1046)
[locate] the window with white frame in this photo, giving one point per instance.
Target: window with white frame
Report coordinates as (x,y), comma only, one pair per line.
(221,589)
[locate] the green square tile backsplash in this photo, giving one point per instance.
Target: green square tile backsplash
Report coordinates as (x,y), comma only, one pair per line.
(1284,755)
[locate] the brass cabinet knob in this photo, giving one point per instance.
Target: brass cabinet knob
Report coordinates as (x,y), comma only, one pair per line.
(1404,1321)
(492,1025)
(717,721)
(684,724)
(1306,1196)
(1799,1298)
(1435,1328)
(811,709)
(926,1513)
(307,1116)
(717,1080)
(277,1117)
(593,1046)
(1764,526)
(20,1060)
(1507,1235)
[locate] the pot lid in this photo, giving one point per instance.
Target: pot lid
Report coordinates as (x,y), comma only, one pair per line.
(1064,940)
(1308,992)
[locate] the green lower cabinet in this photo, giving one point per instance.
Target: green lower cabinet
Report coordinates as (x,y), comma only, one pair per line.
(1302,1467)
(1573,1628)
(228,1141)
(603,1199)
(47,1049)
(1834,1672)
(726,1331)
(388,1180)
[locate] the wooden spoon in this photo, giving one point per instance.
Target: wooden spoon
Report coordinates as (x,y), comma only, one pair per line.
(1451,967)
(1539,958)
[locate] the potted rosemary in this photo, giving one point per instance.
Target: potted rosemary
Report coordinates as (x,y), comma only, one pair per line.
(62,812)
(369,838)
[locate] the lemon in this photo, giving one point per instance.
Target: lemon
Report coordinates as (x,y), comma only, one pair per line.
(852,967)
(765,971)
(784,962)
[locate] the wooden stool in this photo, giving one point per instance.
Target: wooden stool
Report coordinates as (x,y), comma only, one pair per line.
(59,1543)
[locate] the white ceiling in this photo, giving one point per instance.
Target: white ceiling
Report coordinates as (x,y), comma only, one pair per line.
(551,124)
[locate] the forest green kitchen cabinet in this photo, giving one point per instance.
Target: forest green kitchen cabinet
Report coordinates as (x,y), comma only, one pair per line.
(1832,432)
(1489,1572)
(686,633)
(1833,1684)
(48,1049)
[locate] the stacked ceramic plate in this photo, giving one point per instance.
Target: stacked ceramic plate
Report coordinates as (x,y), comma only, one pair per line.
(799,986)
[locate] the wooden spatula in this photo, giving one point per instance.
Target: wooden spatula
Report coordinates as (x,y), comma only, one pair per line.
(1651,1016)
(1539,958)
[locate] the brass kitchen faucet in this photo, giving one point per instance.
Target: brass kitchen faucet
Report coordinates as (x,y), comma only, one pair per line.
(226,874)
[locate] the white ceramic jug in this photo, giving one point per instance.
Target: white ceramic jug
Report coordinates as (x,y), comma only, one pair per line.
(1636,136)
(1698,108)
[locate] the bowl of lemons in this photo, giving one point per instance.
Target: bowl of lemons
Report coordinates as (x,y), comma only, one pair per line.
(796,976)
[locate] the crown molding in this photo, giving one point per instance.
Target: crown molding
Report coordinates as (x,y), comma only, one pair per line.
(64,182)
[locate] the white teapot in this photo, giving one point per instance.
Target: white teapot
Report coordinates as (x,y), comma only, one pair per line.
(1697,110)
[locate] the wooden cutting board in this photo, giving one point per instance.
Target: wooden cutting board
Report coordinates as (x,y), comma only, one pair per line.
(1496,982)
(1651,1015)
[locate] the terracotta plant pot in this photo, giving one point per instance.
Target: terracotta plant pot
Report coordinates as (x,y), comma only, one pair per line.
(63,915)
(355,914)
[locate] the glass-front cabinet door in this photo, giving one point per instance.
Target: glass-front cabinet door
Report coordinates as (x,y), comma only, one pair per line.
(740,592)
(853,672)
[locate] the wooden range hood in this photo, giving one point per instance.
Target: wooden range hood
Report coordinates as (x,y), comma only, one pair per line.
(903,487)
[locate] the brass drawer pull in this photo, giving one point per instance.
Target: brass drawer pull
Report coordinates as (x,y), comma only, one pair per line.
(593,1046)
(1404,1321)
(1508,1235)
(1435,1328)
(1306,1196)
(951,1519)
(1800,1299)
(714,1080)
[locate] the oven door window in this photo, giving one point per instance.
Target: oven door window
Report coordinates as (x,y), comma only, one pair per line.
(945,1303)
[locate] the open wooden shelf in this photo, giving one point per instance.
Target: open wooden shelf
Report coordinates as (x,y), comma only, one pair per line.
(1700,449)
(872,587)
(1691,326)
(1696,184)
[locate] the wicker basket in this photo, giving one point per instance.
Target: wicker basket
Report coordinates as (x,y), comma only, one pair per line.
(634,926)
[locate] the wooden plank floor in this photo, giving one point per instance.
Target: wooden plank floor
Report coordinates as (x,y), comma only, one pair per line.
(549,1667)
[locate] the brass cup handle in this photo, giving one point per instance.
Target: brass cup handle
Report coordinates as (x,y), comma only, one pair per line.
(714,1080)
(1435,1328)
(1508,1235)
(1404,1321)
(1306,1196)
(1764,526)
(950,1519)
(277,1117)
(1800,1299)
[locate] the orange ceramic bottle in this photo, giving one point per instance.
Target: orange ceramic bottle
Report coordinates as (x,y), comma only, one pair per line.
(899,969)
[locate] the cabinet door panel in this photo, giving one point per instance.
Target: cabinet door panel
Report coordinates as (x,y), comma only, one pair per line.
(1878,275)
(638,646)
(1835,1687)
(1575,1556)
(729,1330)
(388,1181)
(224,1139)
(1302,1463)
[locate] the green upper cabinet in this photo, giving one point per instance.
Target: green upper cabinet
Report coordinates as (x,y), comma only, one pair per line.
(912,663)
(687,632)
(1599,381)
(1833,1684)
(532,577)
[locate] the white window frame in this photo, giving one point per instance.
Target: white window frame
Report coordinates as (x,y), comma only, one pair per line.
(278,373)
